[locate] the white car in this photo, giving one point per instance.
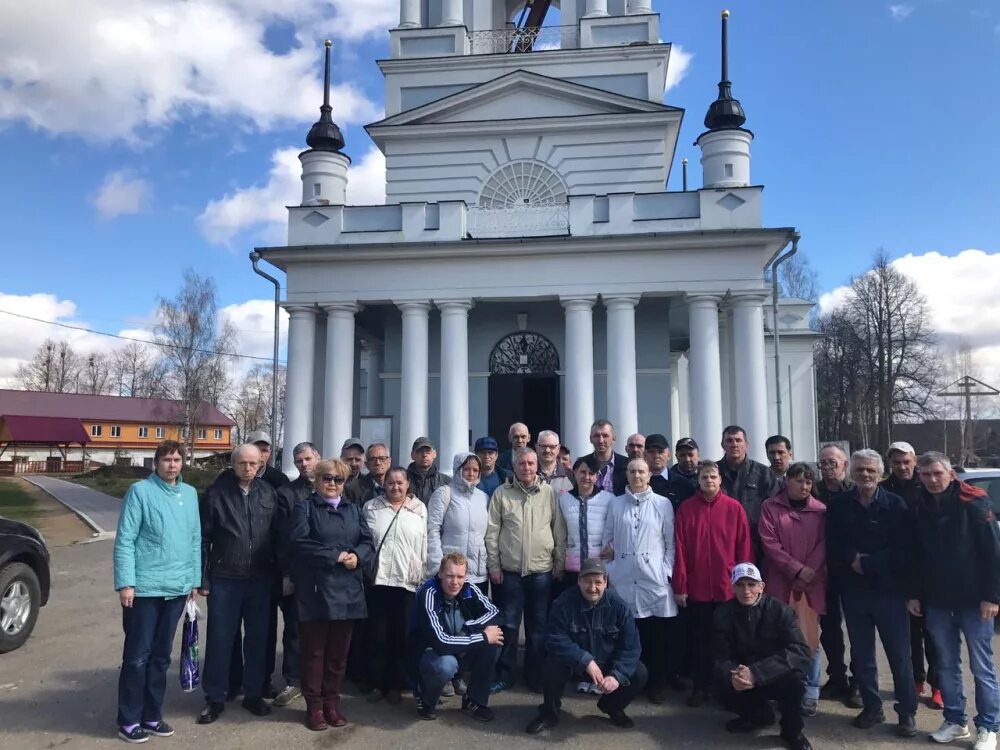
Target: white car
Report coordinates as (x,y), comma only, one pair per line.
(989,480)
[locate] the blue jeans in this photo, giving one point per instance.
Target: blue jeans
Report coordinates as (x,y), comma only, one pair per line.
(436,670)
(867,611)
(231,601)
(149,625)
(814,675)
(528,596)
(946,628)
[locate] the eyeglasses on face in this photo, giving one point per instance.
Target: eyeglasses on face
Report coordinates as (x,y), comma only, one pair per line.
(378,458)
(333,478)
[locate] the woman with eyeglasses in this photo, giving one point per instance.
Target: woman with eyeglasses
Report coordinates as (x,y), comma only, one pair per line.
(398,521)
(330,542)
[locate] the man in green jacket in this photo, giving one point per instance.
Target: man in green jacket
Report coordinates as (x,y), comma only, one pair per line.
(157,567)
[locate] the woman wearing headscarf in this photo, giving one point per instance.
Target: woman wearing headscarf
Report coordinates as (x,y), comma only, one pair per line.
(456,520)
(330,542)
(398,521)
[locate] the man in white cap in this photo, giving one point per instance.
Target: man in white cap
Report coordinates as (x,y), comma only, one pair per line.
(902,479)
(760,656)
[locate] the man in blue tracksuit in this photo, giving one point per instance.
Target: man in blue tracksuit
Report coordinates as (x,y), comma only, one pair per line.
(453,626)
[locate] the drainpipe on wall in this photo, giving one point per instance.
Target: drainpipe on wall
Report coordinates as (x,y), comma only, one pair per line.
(255,259)
(775,292)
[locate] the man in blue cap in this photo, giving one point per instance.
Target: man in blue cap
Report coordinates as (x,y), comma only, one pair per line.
(492,476)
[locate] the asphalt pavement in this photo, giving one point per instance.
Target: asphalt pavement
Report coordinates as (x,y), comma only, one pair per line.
(97,510)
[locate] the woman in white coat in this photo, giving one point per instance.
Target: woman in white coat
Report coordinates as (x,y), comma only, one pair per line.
(639,543)
(456,520)
(584,510)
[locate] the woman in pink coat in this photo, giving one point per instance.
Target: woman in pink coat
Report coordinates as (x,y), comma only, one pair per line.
(793,535)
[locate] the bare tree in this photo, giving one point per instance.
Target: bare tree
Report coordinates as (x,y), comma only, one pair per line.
(197,350)
(138,371)
(798,278)
(250,406)
(54,368)
(877,364)
(95,375)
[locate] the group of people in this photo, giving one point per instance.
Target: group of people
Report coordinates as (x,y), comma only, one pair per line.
(633,574)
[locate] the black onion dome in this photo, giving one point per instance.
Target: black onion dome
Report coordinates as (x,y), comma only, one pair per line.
(325,135)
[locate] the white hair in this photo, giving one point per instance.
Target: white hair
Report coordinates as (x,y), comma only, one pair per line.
(548,433)
(867,454)
(934,457)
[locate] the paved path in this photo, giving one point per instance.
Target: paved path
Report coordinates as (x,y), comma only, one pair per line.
(98,511)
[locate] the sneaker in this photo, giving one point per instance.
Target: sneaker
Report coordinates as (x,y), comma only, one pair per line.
(936,702)
(135,737)
(583,687)
(461,687)
(921,688)
(477,712)
(985,740)
(287,695)
(867,719)
(448,690)
(499,686)
(949,732)
(159,729)
(809,707)
(906,727)
(594,690)
(425,712)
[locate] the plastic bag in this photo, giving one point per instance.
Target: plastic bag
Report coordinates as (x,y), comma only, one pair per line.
(190,669)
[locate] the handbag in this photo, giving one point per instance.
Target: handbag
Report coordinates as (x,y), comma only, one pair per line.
(190,669)
(370,568)
(808,619)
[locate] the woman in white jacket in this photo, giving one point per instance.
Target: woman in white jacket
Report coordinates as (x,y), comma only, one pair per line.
(398,522)
(639,542)
(584,509)
(456,520)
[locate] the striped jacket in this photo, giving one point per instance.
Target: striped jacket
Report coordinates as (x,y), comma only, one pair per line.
(428,625)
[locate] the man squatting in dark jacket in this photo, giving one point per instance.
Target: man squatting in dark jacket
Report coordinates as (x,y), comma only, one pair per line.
(760,655)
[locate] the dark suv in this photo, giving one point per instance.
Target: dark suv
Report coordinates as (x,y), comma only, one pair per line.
(24,581)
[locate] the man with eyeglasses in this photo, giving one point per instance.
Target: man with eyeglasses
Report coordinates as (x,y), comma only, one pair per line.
(550,469)
(365,487)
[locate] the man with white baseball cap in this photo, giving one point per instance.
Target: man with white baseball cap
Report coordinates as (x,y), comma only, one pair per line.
(760,656)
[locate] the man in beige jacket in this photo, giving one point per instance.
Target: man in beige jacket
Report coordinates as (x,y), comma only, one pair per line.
(521,544)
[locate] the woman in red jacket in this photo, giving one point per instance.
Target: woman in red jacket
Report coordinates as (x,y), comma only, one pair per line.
(793,535)
(713,535)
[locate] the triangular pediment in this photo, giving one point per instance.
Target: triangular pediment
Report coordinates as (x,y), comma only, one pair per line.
(522,95)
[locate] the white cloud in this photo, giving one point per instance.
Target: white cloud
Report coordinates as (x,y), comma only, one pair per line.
(680,63)
(962,292)
(263,206)
(122,193)
(121,69)
(901,11)
(254,321)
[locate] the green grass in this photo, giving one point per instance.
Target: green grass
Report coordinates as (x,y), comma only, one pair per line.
(200,479)
(17,504)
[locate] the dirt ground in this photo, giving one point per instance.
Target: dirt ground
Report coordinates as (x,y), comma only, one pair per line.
(59,525)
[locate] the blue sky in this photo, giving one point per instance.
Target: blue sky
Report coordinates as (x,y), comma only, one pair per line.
(875,127)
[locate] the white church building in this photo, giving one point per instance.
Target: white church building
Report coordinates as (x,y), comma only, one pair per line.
(529,263)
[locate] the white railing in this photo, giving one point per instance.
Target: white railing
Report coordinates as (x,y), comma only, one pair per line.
(494,41)
(518,221)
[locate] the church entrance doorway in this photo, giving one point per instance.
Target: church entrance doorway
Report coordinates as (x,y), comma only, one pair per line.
(523,385)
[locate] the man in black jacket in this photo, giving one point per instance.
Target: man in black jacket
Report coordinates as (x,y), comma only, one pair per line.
(453,624)
(591,636)
(956,589)
(371,485)
(423,474)
(760,655)
(746,480)
(238,550)
(614,466)
(265,471)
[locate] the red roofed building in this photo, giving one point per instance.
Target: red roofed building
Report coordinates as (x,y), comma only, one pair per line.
(36,422)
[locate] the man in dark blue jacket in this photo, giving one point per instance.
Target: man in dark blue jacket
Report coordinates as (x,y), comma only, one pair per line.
(591,636)
(453,624)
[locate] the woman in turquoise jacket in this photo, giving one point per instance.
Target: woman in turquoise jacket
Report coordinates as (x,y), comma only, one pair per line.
(157,569)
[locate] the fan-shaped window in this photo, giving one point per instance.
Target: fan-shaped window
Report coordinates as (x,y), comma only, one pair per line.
(524,353)
(523,183)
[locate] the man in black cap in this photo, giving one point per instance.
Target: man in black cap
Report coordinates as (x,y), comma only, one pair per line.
(591,636)
(352,453)
(422,473)
(683,475)
(657,455)
(492,476)
(268,473)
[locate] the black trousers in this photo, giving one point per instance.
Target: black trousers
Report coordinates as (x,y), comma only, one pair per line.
(831,635)
(385,643)
(556,674)
(753,704)
(921,643)
(699,643)
(660,653)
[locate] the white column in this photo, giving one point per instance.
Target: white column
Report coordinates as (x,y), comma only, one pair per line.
(705,377)
(413,376)
(685,395)
(623,401)
(596,8)
(338,386)
(409,17)
(451,15)
(579,373)
(454,378)
(675,398)
(639,6)
(373,392)
(299,381)
(751,374)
